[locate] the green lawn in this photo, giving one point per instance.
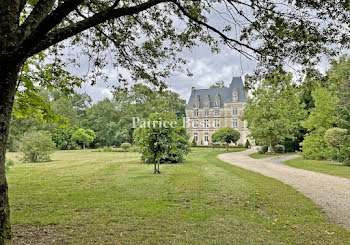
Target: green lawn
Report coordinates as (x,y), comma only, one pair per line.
(111,198)
(320,166)
(260,156)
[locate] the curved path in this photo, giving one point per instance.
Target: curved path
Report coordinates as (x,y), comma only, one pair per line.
(330,192)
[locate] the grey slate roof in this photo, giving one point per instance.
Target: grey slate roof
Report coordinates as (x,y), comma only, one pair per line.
(225,94)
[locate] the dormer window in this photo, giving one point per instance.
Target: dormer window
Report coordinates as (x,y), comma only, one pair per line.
(234,95)
(217,100)
(207,101)
(196,102)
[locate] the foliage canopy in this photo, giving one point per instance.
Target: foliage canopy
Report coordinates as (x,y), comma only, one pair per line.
(162,144)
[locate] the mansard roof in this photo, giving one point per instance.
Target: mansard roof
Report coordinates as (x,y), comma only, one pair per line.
(225,94)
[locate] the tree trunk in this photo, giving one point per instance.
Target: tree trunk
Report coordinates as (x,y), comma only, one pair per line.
(158,165)
(8,81)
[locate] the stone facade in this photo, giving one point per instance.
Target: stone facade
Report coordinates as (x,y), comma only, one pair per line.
(210,109)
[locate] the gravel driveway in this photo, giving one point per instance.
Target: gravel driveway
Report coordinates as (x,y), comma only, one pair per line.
(330,192)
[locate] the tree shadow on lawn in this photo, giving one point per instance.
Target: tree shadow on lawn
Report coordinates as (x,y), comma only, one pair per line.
(37,235)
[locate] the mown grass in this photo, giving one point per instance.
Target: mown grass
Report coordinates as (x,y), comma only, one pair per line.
(112,198)
(261,156)
(325,167)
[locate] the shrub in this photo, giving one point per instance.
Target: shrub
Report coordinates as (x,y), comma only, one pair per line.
(240,145)
(314,146)
(194,143)
(9,163)
(37,147)
(344,153)
(125,146)
(107,149)
(334,137)
(134,149)
(279,149)
(344,156)
(247,144)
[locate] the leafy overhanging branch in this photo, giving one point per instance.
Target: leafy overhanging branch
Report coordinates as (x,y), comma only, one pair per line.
(61,34)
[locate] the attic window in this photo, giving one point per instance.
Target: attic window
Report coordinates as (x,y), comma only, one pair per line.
(196,102)
(217,100)
(207,101)
(234,95)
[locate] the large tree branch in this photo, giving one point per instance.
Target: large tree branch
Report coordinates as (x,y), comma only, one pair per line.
(221,34)
(9,16)
(51,20)
(38,14)
(61,34)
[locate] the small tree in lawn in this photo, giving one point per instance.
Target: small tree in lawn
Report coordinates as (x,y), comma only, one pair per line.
(84,137)
(228,135)
(37,147)
(163,139)
(125,146)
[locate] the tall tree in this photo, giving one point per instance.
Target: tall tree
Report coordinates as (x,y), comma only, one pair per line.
(274,111)
(321,118)
(141,101)
(340,75)
(145,34)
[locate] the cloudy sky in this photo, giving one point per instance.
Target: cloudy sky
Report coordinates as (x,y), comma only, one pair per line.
(206,67)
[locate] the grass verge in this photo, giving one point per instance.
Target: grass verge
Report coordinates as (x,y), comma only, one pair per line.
(261,156)
(325,167)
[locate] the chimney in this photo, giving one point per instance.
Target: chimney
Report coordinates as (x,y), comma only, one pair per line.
(193,88)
